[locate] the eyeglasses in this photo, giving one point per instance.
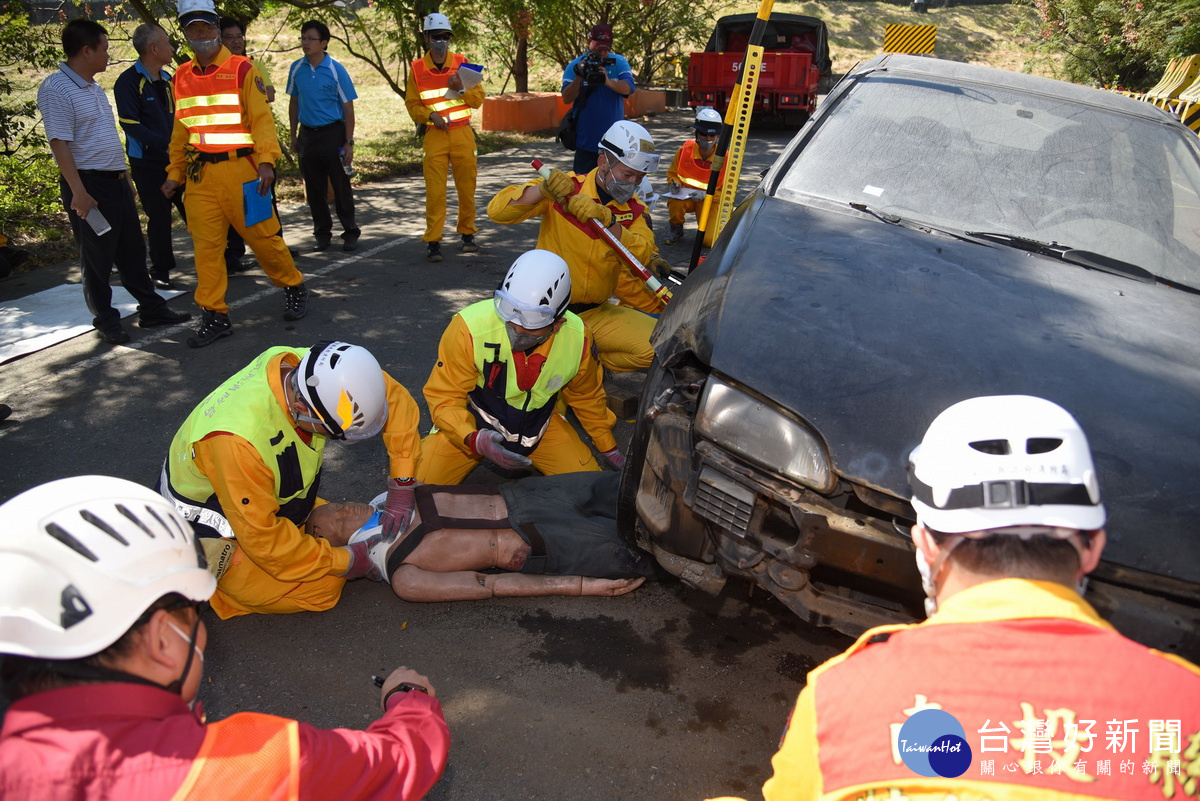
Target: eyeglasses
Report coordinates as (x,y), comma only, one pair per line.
(440,37)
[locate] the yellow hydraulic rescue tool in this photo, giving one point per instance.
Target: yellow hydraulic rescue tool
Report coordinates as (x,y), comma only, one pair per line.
(732,144)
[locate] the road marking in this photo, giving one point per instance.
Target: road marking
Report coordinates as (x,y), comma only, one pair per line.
(23,392)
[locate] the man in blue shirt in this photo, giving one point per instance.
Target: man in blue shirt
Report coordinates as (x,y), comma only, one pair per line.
(146,109)
(598,94)
(321,118)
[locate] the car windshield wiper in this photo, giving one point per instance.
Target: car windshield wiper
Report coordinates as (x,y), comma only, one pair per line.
(890,219)
(1083,258)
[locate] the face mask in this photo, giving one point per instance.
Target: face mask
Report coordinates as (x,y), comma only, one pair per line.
(621,191)
(438,49)
(523,341)
(204,47)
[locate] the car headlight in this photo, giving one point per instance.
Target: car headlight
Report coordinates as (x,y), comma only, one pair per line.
(759,434)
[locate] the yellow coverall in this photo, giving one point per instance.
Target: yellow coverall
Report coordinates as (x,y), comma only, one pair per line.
(445,456)
(677,209)
(443,149)
(621,333)
(215,201)
(276,567)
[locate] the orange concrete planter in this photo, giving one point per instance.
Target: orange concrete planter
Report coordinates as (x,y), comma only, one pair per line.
(527,112)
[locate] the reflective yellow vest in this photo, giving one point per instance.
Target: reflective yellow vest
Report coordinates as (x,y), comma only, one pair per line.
(519,415)
(246,407)
(210,106)
(432,84)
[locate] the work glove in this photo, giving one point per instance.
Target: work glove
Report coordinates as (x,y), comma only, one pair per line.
(659,266)
(614,459)
(672,188)
(397,509)
(585,208)
(489,445)
(557,187)
(361,564)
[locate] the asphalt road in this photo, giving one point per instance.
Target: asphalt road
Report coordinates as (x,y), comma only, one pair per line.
(665,693)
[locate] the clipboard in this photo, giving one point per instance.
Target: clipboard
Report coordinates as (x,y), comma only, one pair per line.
(256,207)
(471,76)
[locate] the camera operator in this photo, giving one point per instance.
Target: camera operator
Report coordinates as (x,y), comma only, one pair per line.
(597,82)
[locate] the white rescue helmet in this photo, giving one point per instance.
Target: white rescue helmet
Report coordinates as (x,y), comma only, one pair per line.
(1003,461)
(344,385)
(189,11)
(708,121)
(82,558)
(630,144)
(435,22)
(536,290)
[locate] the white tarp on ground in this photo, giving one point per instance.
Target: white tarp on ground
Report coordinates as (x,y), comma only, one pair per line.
(55,315)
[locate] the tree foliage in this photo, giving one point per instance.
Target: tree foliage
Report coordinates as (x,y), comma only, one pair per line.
(24,54)
(1122,42)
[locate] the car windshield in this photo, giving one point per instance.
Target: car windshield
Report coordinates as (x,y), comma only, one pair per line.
(973,157)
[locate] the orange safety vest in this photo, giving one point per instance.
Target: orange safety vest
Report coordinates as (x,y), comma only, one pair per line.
(432,85)
(248,755)
(210,106)
(1030,708)
(693,172)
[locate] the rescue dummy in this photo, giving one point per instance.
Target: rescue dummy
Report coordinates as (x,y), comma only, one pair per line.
(554,535)
(689,174)
(1009,524)
(503,364)
(565,202)
(103,585)
(440,105)
(224,138)
(246,466)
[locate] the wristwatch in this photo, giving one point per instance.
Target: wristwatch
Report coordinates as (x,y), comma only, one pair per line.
(349,141)
(404,687)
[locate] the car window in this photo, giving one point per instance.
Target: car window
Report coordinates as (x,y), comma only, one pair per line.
(984,158)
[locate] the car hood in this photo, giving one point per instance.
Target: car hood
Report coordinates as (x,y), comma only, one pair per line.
(866,331)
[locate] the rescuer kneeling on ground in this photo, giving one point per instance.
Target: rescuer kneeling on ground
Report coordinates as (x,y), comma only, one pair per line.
(502,365)
(101,586)
(246,466)
(1009,524)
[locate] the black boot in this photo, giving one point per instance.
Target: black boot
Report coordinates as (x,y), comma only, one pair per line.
(213,326)
(295,302)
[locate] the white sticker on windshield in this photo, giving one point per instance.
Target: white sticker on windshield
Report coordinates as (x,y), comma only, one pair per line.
(872,190)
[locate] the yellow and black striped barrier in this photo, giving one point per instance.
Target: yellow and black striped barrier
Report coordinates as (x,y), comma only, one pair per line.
(909,38)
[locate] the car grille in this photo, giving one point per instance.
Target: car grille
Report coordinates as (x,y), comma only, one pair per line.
(724,501)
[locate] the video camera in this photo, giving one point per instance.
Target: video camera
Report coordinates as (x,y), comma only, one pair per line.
(592,68)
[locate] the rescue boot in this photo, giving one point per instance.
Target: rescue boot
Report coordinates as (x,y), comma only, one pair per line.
(435,252)
(675,235)
(213,326)
(468,243)
(295,302)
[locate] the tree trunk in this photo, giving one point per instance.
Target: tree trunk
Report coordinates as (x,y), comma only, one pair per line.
(521,66)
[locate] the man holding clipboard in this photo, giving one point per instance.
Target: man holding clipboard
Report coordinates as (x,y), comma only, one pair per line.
(224,139)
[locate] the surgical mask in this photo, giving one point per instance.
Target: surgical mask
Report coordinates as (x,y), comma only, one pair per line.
(188,640)
(438,49)
(204,47)
(620,191)
(521,341)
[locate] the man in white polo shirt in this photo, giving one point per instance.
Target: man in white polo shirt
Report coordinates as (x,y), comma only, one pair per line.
(95,186)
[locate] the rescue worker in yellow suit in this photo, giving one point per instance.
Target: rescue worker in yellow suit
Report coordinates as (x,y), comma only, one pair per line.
(501,368)
(245,468)
(690,172)
(224,137)
(448,139)
(566,202)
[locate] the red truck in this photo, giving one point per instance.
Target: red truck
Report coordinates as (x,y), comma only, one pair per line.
(795,61)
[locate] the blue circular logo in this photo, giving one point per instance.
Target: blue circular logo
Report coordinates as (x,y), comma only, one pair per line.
(933,743)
